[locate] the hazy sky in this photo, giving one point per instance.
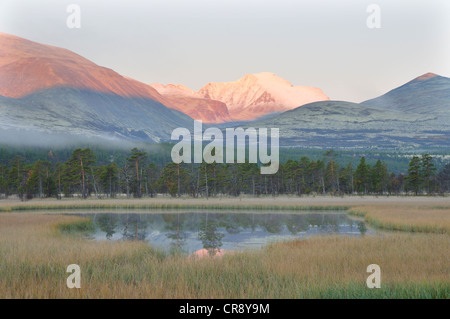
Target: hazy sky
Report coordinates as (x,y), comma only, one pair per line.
(322,43)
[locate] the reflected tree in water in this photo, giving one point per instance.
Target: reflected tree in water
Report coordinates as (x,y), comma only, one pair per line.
(174,227)
(210,236)
(107,223)
(272,224)
(232,223)
(362,228)
(333,223)
(296,224)
(133,227)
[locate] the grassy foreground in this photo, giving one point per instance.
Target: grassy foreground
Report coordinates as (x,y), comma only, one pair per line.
(34,254)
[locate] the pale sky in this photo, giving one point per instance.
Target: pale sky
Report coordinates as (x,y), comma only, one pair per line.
(321,43)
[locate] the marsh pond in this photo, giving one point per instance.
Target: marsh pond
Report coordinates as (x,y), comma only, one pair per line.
(189,232)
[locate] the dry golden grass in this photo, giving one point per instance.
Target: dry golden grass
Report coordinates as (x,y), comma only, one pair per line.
(264,202)
(429,219)
(34,256)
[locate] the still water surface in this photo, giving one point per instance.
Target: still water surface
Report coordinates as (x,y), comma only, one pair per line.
(186,232)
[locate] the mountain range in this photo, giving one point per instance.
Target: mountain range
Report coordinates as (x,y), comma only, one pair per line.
(46,89)
(249,98)
(27,67)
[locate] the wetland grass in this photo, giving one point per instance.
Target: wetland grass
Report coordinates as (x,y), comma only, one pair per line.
(35,253)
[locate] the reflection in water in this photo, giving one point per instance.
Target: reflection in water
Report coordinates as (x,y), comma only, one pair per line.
(184,233)
(174,233)
(107,223)
(210,235)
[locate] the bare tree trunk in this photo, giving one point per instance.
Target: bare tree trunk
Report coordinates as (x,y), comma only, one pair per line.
(59,184)
(138,183)
(337,182)
(206,181)
(95,184)
(82,179)
(178,179)
(40,186)
(253,182)
(353,186)
(215,181)
(323,185)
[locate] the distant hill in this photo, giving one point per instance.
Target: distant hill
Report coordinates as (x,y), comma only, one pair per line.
(338,124)
(428,94)
(49,89)
(27,67)
(81,112)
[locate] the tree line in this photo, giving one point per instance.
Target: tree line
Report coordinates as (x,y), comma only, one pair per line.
(137,177)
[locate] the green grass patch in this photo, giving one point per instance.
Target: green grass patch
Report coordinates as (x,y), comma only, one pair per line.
(415,290)
(83,227)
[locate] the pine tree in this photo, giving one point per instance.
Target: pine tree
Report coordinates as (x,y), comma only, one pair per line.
(347,179)
(150,176)
(58,177)
(332,171)
(414,176)
(362,178)
(305,174)
(16,176)
(379,176)
(3,179)
(77,168)
(172,178)
(427,171)
(109,177)
(136,157)
(444,178)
